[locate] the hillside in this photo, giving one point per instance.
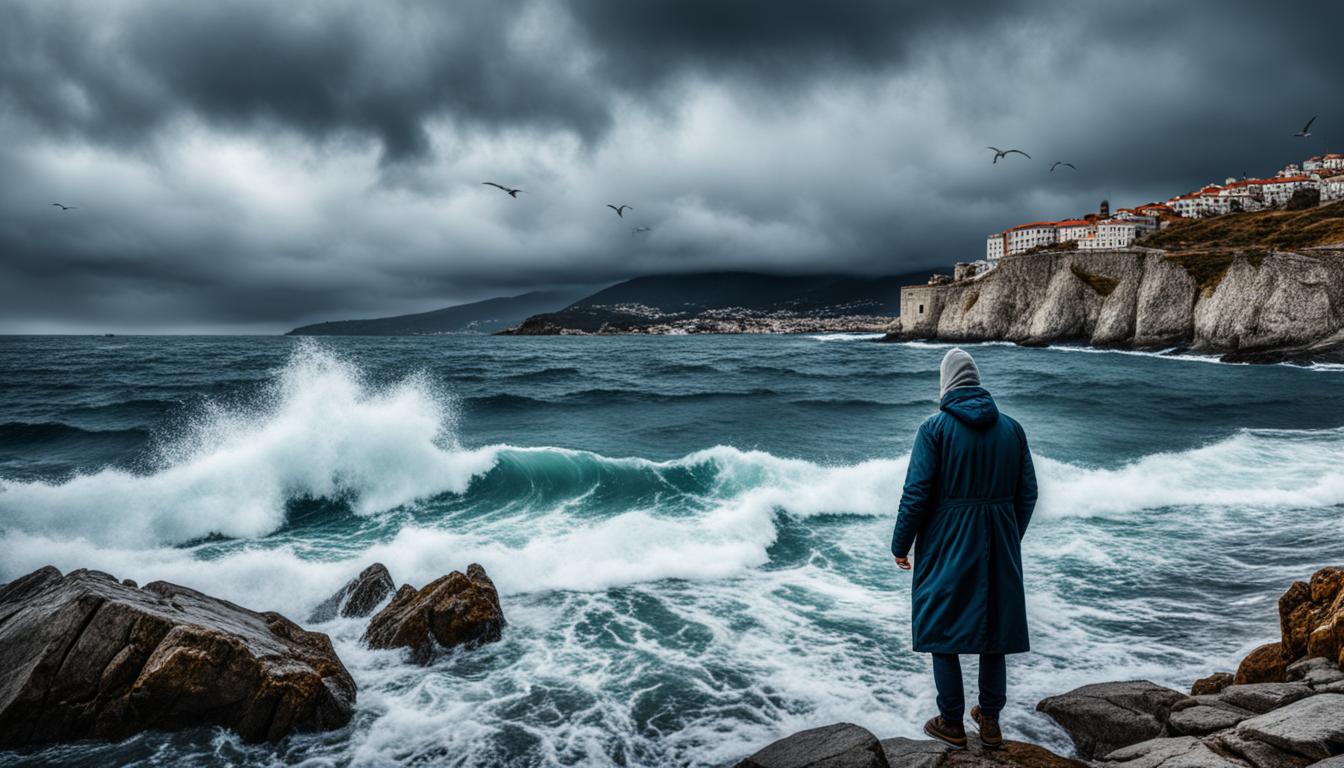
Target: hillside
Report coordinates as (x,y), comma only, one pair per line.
(1266,230)
(731,302)
(485,316)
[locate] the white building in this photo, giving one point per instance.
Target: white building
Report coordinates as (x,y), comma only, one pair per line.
(1075,230)
(1332,188)
(1206,202)
(994,248)
(1024,237)
(1279,190)
(1333,162)
(1118,233)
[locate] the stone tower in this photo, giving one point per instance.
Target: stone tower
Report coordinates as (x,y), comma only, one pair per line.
(1104,211)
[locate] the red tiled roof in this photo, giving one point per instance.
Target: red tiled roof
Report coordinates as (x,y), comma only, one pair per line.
(1032,225)
(1073,223)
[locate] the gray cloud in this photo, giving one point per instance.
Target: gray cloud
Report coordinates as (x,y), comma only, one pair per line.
(255,165)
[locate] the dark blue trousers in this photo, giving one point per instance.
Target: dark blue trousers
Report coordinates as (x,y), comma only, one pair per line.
(951,698)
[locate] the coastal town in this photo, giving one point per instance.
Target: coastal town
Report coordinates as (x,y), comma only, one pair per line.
(1316,180)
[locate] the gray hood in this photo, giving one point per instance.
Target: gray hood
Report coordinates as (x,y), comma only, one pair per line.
(957,370)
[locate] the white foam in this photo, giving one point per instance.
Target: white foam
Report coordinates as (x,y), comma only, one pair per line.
(323,432)
(845,336)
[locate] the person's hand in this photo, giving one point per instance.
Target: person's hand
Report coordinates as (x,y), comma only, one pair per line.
(903,563)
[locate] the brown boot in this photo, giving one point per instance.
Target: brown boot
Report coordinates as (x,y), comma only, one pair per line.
(990,735)
(948,733)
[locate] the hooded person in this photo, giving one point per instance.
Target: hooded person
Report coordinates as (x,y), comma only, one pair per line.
(969,493)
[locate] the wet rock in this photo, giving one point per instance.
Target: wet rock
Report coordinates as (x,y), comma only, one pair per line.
(842,745)
(1313,727)
(1262,697)
(1211,684)
(914,753)
(1334,762)
(453,610)
(1315,672)
(1202,719)
(129,583)
(1265,664)
(1257,753)
(1178,752)
(1104,717)
(358,597)
(86,656)
(1311,617)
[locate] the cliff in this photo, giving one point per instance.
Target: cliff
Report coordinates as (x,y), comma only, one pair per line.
(1244,303)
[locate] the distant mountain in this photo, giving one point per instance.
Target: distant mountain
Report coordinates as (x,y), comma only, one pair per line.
(477,317)
(719,302)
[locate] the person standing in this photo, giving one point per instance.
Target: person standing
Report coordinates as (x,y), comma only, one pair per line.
(969,493)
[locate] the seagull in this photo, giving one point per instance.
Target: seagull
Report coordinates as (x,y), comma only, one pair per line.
(1005,152)
(66,207)
(512,192)
(621,210)
(637,230)
(1058,163)
(1306,129)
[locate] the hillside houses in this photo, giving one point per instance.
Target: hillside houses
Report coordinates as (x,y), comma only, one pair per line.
(1102,231)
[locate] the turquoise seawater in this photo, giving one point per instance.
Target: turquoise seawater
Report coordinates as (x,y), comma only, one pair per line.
(690,534)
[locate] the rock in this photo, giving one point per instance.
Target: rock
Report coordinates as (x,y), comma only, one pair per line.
(1312,727)
(1334,762)
(1211,684)
(1202,719)
(842,745)
(1178,752)
(1262,697)
(1314,671)
(1104,717)
(1014,754)
(1265,664)
(914,753)
(85,656)
(1311,617)
(454,610)
(1255,752)
(358,597)
(129,583)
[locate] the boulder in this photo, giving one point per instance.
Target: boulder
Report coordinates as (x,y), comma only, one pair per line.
(914,753)
(1014,754)
(1104,717)
(1211,684)
(1178,752)
(453,610)
(1314,671)
(842,745)
(1203,719)
(1265,664)
(86,656)
(1313,727)
(358,597)
(1262,697)
(1257,753)
(1311,617)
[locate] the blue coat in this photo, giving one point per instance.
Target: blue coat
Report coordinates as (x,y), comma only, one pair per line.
(969,494)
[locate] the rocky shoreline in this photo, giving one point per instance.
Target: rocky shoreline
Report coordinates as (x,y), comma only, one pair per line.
(1247,306)
(1282,708)
(85,656)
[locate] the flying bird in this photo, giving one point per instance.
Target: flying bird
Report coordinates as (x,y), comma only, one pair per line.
(1306,129)
(621,210)
(65,207)
(1058,163)
(512,192)
(637,230)
(998,153)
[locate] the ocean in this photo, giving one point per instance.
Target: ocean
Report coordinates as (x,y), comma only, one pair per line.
(690,534)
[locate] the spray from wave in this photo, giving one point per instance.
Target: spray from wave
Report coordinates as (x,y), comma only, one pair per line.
(320,431)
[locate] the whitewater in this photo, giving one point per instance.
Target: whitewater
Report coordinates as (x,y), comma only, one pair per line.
(690,535)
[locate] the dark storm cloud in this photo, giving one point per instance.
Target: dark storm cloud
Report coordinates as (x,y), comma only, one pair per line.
(255,164)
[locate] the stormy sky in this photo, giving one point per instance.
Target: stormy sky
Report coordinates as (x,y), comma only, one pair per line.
(248,166)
